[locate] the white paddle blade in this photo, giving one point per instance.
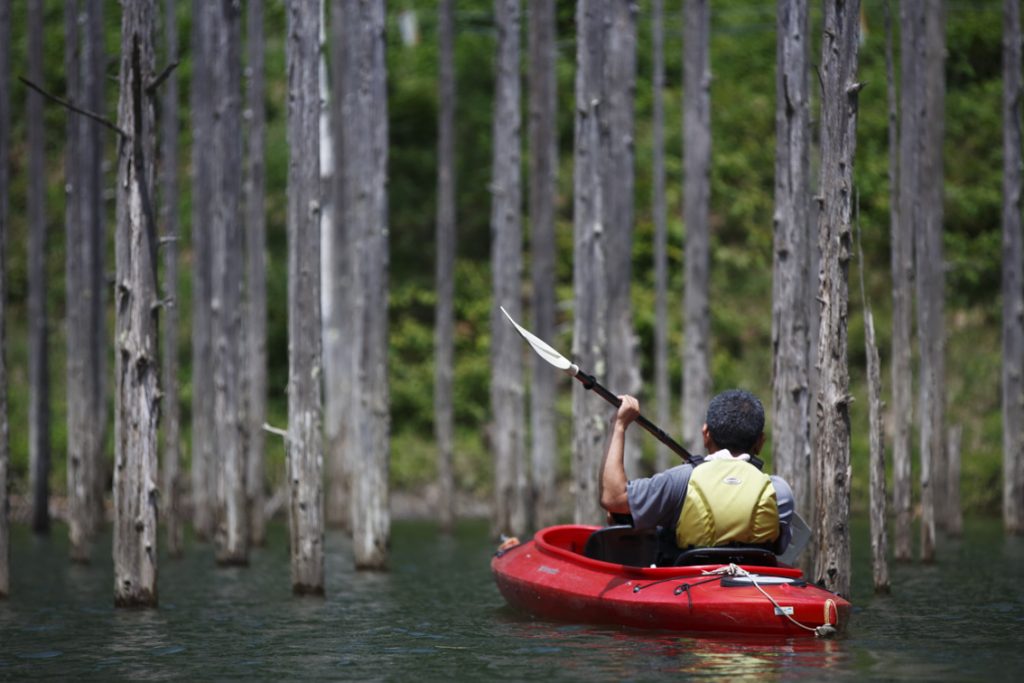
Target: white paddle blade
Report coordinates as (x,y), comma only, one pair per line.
(540,346)
(801,537)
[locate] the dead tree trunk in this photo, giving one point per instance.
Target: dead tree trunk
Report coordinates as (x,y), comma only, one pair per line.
(38,354)
(620,70)
(955,514)
(444,322)
(1013,277)
(84,280)
(203,471)
(227,252)
(696,210)
(5,452)
(791,346)
(877,494)
(931,280)
(137,400)
(337,296)
(902,259)
(663,397)
(304,441)
(589,342)
(256,274)
(507,392)
(543,134)
(171,464)
(838,145)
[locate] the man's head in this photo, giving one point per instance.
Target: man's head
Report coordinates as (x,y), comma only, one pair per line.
(735,421)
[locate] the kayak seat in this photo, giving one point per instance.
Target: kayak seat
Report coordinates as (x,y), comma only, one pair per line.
(623,544)
(760,557)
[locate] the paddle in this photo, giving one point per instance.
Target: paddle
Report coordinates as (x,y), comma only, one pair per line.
(589,382)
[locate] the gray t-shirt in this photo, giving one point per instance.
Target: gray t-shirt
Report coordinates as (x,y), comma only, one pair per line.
(658,501)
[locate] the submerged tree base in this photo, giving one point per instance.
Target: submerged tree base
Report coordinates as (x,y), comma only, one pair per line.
(304,589)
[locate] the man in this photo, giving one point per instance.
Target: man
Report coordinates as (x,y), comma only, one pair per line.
(724,500)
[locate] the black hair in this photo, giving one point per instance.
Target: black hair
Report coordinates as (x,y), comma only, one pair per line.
(735,420)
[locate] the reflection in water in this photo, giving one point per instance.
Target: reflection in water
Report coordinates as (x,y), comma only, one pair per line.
(437,615)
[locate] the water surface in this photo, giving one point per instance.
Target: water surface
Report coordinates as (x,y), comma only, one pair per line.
(437,615)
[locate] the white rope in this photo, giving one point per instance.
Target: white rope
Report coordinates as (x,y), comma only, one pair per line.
(824,631)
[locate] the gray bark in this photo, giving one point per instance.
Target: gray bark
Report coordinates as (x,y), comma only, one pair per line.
(227,253)
(337,385)
(444,323)
(620,75)
(659,210)
(543,135)
(203,471)
(84,280)
(171,463)
(304,442)
(1013,277)
(507,392)
(137,399)
(955,515)
(902,259)
(696,216)
(5,127)
(877,494)
(339,327)
(364,165)
(38,355)
(256,274)
(931,280)
(831,536)
(791,344)
(589,344)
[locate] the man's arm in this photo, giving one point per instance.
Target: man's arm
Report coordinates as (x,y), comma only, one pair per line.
(613,470)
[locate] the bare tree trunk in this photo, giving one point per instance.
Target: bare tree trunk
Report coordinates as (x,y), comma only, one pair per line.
(620,70)
(877,494)
(38,355)
(337,296)
(696,209)
(838,144)
(791,346)
(256,274)
(931,277)
(1013,277)
(589,344)
(169,209)
(543,133)
(204,473)
(955,519)
(507,392)
(304,442)
(365,206)
(902,258)
(137,400)
(663,397)
(227,251)
(444,323)
(337,390)
(5,452)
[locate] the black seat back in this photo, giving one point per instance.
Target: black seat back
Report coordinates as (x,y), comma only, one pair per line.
(760,557)
(623,545)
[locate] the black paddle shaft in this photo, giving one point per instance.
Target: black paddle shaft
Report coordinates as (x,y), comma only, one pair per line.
(589,382)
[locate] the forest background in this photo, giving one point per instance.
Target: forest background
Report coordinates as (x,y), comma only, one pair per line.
(743,109)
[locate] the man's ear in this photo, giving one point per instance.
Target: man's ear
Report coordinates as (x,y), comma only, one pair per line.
(709,443)
(758,445)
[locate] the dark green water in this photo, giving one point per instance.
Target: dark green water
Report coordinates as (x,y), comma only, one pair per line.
(437,615)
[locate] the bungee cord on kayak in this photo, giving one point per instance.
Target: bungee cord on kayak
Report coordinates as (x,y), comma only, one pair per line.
(826,630)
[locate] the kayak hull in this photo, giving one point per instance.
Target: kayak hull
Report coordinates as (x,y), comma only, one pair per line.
(550,577)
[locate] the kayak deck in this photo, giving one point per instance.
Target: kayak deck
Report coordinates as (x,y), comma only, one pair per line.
(550,577)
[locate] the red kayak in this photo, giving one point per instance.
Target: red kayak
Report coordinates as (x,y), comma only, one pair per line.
(589,574)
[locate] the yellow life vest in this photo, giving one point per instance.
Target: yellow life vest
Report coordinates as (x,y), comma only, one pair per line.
(728,501)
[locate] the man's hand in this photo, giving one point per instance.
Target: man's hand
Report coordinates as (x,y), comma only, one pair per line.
(613,472)
(629,410)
